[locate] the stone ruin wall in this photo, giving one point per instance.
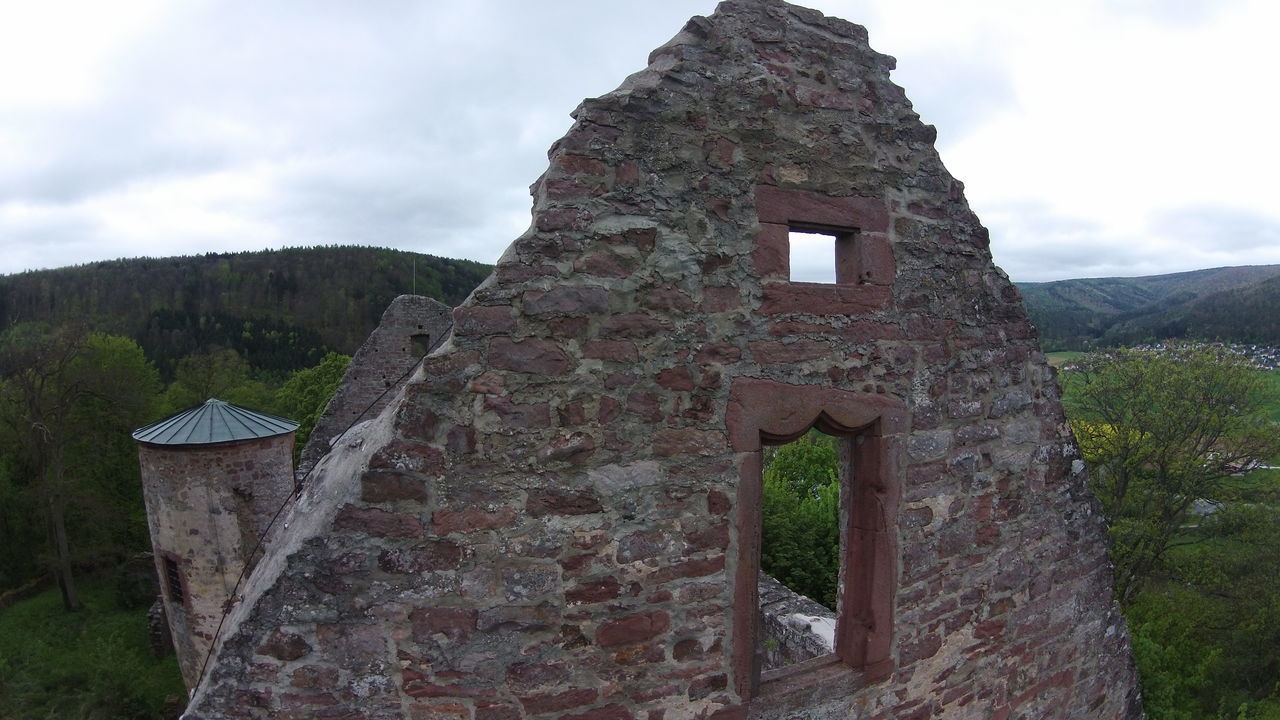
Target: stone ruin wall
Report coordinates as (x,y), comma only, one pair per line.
(410,327)
(793,628)
(556,517)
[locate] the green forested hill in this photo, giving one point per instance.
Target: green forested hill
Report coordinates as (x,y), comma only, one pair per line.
(280,309)
(1230,303)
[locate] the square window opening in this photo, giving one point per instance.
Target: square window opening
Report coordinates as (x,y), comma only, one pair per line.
(812,256)
(420,344)
(824,254)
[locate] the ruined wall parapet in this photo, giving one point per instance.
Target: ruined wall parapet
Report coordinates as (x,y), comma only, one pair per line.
(411,326)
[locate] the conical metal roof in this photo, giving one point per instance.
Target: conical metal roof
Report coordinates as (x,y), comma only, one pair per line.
(213,422)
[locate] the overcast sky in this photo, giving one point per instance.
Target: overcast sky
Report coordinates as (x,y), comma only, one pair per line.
(1126,137)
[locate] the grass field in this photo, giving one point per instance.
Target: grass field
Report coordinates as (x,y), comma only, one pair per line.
(93,663)
(1058,359)
(1273,378)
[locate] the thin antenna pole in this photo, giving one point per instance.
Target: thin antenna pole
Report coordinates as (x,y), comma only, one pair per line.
(415,275)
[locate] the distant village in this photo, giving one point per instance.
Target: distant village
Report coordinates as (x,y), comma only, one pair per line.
(1263,357)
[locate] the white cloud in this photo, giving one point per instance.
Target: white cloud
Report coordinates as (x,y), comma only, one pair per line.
(1081,130)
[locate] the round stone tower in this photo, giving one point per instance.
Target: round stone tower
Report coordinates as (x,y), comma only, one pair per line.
(213,477)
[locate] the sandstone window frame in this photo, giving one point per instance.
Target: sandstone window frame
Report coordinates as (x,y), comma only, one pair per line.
(764,412)
(863,254)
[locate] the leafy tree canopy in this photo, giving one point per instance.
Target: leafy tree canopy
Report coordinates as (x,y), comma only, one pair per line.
(1162,430)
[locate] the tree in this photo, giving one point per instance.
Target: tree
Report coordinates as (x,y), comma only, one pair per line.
(1161,430)
(800,509)
(221,374)
(306,393)
(64,395)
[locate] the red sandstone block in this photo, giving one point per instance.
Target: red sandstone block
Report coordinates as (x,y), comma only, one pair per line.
(284,646)
(609,410)
(457,624)
(268,673)
(594,592)
(919,649)
(715,537)
(544,357)
(444,522)
(518,415)
(771,257)
(557,501)
(666,299)
(988,629)
(819,299)
(295,700)
(552,219)
(643,693)
(769,352)
(524,677)
(645,405)
(498,712)
(704,686)
(615,350)
(378,522)
(632,628)
(573,413)
(720,299)
(566,300)
(420,686)
(579,164)
(698,567)
(378,486)
(553,701)
(608,712)
(461,440)
(567,327)
(575,448)
(605,264)
(717,502)
(314,676)
(688,441)
(439,711)
(565,189)
(483,320)
(785,206)
(718,353)
(640,655)
(632,325)
(676,378)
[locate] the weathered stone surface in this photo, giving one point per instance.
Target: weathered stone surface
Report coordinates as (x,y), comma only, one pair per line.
(589,439)
(410,328)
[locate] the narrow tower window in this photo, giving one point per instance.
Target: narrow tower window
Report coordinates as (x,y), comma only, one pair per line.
(173,580)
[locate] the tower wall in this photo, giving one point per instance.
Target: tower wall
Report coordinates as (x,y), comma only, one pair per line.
(207,505)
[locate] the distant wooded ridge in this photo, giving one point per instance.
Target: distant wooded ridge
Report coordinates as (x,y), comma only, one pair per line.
(282,310)
(1231,304)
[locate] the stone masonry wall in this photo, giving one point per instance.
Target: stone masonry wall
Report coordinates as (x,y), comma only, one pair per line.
(206,507)
(793,628)
(411,326)
(558,517)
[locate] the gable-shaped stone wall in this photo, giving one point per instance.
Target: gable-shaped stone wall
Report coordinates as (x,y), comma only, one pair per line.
(558,516)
